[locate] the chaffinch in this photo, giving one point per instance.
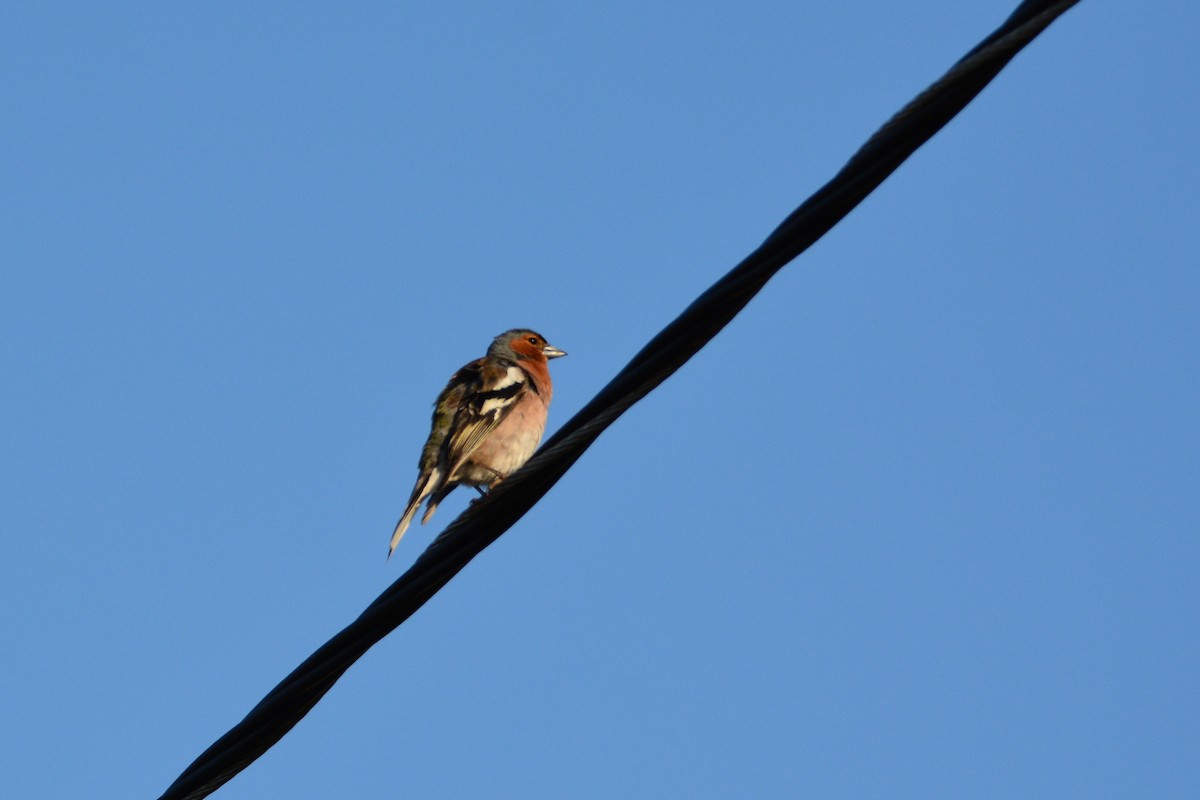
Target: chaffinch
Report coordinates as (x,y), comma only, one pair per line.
(486,422)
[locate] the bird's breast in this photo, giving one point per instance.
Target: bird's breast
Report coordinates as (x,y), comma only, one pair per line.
(509,445)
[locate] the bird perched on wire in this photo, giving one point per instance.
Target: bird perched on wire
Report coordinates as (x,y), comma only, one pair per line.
(486,422)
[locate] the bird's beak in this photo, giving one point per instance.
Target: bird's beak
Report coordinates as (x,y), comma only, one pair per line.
(550,351)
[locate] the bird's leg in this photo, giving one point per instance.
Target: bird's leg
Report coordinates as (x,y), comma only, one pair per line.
(484,492)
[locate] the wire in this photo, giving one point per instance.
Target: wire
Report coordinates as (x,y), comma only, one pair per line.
(488,518)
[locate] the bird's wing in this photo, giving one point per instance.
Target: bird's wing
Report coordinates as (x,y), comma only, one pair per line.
(500,387)
(431,474)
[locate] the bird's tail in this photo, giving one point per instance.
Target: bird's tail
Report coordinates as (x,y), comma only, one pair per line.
(423,489)
(404,522)
(437,497)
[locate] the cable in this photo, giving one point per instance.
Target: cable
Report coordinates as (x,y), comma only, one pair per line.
(486,519)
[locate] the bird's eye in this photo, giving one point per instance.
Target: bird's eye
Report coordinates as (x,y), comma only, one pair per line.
(532,340)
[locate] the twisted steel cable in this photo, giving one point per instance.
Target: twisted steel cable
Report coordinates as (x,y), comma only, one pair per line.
(487,519)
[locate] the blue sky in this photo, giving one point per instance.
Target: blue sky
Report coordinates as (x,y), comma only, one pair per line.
(922,522)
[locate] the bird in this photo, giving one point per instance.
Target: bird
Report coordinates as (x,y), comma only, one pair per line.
(486,422)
